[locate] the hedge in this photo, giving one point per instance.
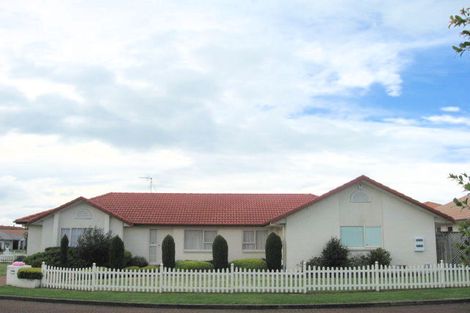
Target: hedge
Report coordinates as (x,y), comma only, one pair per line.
(194,265)
(254,264)
(143,268)
(30,273)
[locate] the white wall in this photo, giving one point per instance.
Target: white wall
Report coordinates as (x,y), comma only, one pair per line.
(34,239)
(308,230)
(46,232)
(136,240)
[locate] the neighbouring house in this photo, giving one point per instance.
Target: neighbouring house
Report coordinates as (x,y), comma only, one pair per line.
(363,213)
(448,236)
(12,238)
(457,213)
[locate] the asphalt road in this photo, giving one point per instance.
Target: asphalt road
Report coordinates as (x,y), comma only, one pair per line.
(13,306)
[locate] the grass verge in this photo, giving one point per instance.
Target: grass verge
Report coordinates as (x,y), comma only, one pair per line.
(239,298)
(3,269)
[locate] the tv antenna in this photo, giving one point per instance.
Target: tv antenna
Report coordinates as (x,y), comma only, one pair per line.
(150,180)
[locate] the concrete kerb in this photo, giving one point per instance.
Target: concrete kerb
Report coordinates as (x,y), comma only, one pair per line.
(239,306)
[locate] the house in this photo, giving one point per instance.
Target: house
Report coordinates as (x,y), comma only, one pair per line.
(363,213)
(457,213)
(12,238)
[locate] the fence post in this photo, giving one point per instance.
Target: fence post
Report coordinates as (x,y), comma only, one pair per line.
(376,276)
(93,277)
(304,276)
(441,273)
(232,277)
(43,271)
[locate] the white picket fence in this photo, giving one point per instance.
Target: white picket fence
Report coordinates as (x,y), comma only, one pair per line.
(7,258)
(305,279)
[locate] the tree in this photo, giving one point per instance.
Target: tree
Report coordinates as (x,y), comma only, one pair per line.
(168,252)
(458,21)
(116,253)
(64,250)
(273,252)
(93,246)
(464,227)
(220,252)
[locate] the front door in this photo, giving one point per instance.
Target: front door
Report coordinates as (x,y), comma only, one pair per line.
(153,246)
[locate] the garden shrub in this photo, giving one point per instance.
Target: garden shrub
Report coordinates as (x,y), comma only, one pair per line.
(29,273)
(139,261)
(316,261)
(193,265)
(51,256)
(127,258)
(144,268)
(358,261)
(274,252)
(116,253)
(20,258)
(168,252)
(380,255)
(254,264)
(219,252)
(64,250)
(93,246)
(334,254)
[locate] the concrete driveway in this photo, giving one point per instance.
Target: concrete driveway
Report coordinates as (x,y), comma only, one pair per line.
(13,306)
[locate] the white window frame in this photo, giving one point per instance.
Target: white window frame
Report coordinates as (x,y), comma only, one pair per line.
(203,242)
(365,247)
(254,230)
(68,232)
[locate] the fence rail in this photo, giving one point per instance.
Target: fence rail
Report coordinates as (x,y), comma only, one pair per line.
(305,279)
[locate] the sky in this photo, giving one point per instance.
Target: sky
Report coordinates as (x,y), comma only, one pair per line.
(228,96)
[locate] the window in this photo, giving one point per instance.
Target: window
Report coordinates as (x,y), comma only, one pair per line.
(199,239)
(72,234)
(254,239)
(361,237)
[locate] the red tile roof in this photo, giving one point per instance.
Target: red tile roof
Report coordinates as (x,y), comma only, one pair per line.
(190,209)
(210,209)
(457,213)
(433,205)
(12,230)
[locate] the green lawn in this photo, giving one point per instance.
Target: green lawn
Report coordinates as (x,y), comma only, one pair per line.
(3,269)
(243,298)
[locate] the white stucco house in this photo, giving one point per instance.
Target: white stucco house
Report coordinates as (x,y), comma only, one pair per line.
(363,213)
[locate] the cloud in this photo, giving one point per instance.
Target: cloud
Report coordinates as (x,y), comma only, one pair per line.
(451,109)
(448,119)
(214,96)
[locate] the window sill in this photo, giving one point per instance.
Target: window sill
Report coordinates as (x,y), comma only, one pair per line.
(197,251)
(253,251)
(362,248)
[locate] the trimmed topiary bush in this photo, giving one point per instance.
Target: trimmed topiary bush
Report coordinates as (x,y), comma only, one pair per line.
(116,253)
(274,252)
(139,261)
(380,255)
(253,264)
(168,252)
(220,252)
(64,250)
(29,273)
(193,265)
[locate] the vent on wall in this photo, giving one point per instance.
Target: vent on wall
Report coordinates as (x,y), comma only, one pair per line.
(83,214)
(359,196)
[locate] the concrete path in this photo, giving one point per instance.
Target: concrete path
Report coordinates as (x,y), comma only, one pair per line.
(39,307)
